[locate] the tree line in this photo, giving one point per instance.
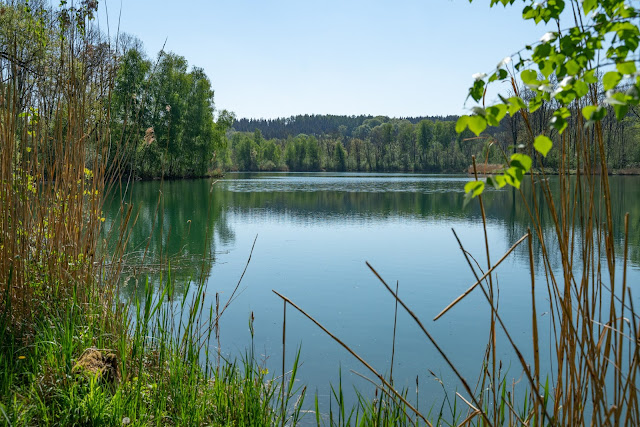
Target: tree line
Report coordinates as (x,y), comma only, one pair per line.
(316,124)
(377,144)
(383,144)
(163,121)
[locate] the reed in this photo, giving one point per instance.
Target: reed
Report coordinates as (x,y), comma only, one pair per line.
(594,346)
(59,280)
(59,292)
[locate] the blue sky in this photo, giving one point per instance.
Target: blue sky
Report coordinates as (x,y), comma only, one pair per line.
(279,58)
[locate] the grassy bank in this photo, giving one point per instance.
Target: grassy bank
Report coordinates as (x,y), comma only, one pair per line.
(158,377)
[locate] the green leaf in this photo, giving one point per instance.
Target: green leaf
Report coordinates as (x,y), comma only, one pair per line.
(479,111)
(590,77)
(562,112)
(477,90)
(542,144)
(588,111)
(620,103)
(534,104)
(477,187)
(498,75)
(565,96)
(529,77)
(621,111)
(616,99)
(472,189)
(497,112)
(477,124)
(520,161)
(497,181)
(626,67)
(589,5)
(546,68)
(593,113)
(515,104)
(461,124)
(573,67)
(559,123)
(611,80)
(513,176)
(580,88)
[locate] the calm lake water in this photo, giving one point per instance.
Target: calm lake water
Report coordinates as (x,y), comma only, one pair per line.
(314,233)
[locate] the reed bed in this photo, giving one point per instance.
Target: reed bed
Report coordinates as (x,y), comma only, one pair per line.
(59,285)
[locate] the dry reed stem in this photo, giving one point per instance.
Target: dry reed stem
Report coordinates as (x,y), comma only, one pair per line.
(504,328)
(534,327)
(354,354)
(393,341)
(484,276)
(284,343)
(492,331)
(431,339)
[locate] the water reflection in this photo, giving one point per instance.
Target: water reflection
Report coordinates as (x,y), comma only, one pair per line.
(184,219)
(173,223)
(315,232)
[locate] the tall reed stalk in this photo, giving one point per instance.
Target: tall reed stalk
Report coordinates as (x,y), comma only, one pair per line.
(575,276)
(59,281)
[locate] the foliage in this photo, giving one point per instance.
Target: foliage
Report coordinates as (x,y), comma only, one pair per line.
(428,145)
(58,289)
(319,124)
(573,80)
(579,75)
(169,111)
(391,145)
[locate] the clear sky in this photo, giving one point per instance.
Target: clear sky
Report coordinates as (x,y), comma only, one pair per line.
(278,58)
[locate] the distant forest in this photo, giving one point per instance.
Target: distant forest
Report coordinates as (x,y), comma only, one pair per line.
(411,144)
(317,124)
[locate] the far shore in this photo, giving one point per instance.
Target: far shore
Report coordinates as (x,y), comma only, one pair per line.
(482,170)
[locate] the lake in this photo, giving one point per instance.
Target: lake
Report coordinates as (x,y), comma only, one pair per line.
(314,233)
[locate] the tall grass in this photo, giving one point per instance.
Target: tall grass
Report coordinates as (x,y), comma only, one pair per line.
(58,285)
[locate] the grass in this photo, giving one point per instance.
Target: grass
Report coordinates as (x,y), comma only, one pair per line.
(163,381)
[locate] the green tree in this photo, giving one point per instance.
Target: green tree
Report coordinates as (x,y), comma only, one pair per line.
(312,154)
(245,152)
(424,135)
(406,145)
(290,155)
(270,156)
(339,157)
(129,109)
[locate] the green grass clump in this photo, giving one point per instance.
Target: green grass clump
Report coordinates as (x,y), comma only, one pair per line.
(163,381)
